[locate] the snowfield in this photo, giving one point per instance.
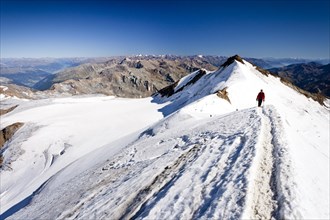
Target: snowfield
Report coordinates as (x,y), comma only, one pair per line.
(192,155)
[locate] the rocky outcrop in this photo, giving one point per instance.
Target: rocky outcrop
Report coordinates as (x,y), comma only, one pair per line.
(223,94)
(230,60)
(5,111)
(6,134)
(13,90)
(170,90)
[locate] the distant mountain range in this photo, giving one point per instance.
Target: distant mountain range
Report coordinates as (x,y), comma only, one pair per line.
(124,77)
(141,76)
(28,71)
(268,63)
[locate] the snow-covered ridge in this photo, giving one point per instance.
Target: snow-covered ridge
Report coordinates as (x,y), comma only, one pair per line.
(203,157)
(199,84)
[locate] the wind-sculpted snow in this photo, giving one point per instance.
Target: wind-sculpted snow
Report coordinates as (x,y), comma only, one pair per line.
(170,172)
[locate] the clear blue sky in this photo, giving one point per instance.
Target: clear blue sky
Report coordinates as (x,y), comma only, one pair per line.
(81,28)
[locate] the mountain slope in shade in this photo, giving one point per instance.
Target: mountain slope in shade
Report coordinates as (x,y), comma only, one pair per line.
(203,157)
(312,77)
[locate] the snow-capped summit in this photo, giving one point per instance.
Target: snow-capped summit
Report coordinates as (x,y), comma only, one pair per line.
(200,148)
(238,82)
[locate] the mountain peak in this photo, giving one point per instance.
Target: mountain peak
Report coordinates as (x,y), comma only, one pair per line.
(230,60)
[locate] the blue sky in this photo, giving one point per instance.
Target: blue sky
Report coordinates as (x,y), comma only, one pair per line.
(81,28)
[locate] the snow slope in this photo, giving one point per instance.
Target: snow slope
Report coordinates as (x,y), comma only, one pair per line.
(208,158)
(59,131)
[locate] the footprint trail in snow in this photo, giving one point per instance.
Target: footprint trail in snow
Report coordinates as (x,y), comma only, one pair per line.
(227,167)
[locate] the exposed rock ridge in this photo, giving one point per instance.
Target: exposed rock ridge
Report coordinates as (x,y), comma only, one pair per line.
(6,134)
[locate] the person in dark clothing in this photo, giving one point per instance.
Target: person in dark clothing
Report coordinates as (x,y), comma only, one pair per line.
(260,97)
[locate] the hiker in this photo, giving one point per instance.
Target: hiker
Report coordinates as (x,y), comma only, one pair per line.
(260,97)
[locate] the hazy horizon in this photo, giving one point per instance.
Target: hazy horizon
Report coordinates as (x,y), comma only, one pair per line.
(159,55)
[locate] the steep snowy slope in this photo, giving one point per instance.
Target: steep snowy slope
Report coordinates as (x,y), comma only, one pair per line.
(207,158)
